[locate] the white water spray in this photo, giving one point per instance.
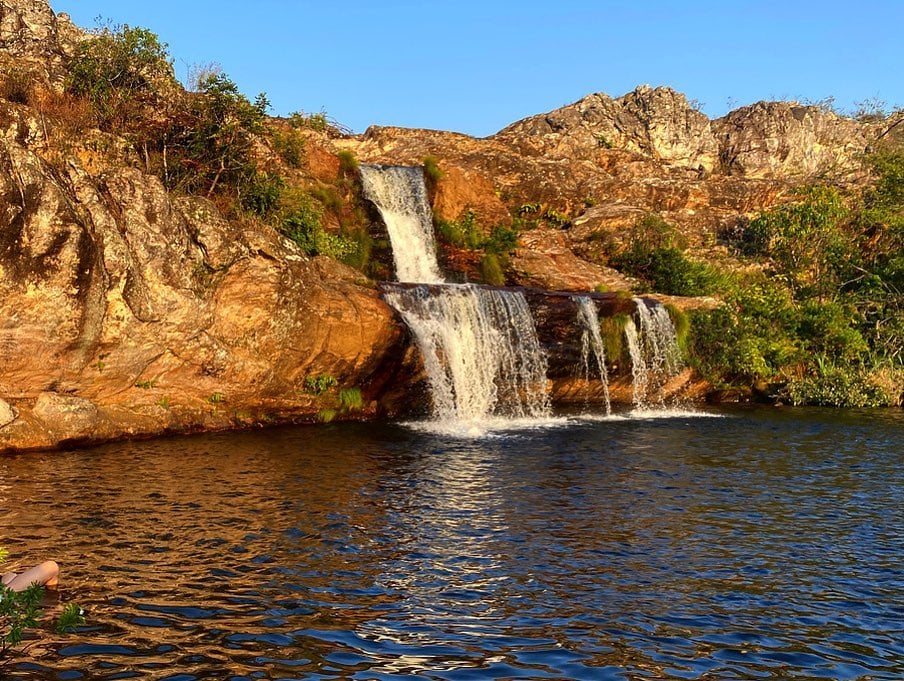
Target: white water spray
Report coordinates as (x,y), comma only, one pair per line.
(480,351)
(399,193)
(655,355)
(592,343)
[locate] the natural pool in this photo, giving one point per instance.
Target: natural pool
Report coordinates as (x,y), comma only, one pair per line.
(760,543)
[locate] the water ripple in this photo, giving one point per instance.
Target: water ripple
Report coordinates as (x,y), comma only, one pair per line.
(762,545)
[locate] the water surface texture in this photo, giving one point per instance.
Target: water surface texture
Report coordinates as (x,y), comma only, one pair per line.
(764,544)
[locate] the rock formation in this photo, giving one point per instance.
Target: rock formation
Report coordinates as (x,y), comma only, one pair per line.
(127,311)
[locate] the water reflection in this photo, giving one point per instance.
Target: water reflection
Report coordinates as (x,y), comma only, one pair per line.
(763,544)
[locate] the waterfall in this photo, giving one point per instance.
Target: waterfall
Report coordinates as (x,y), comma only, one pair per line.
(480,350)
(592,343)
(399,193)
(479,345)
(653,346)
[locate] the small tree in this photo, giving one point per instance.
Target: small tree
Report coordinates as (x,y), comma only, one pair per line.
(118,70)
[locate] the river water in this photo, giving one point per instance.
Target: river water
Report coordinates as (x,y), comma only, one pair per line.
(763,543)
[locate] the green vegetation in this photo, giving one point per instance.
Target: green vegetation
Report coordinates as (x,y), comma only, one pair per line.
(351,400)
(216,398)
(119,70)
(494,248)
(654,253)
(432,171)
(317,385)
(824,322)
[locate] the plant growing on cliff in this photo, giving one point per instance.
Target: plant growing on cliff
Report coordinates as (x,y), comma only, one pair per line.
(120,69)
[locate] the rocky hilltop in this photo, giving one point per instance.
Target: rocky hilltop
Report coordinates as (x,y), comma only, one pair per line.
(128,309)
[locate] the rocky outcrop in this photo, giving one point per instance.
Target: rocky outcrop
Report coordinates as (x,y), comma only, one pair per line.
(33,38)
(126,311)
(787,140)
(764,140)
(658,123)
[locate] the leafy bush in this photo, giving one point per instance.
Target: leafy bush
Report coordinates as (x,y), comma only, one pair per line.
(261,193)
(834,385)
(348,164)
(290,146)
(317,385)
(118,70)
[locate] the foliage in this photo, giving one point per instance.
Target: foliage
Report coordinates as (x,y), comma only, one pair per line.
(682,324)
(491,271)
(348,163)
(314,121)
(351,400)
(464,232)
(835,385)
(261,193)
(432,171)
(118,70)
(612,332)
(317,385)
(654,252)
(290,146)
(804,240)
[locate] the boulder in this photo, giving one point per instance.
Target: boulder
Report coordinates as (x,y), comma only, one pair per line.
(7,413)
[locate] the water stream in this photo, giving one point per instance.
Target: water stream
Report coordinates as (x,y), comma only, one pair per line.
(592,344)
(479,345)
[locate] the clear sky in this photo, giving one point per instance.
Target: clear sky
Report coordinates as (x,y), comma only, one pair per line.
(476,66)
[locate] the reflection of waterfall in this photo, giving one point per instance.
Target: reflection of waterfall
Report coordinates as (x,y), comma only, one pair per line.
(653,346)
(592,343)
(480,350)
(399,193)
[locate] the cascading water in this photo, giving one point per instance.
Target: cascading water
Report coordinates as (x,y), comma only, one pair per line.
(480,350)
(399,193)
(592,343)
(655,355)
(479,345)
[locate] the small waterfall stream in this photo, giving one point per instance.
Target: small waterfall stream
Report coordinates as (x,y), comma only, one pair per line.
(479,345)
(592,343)
(399,193)
(653,346)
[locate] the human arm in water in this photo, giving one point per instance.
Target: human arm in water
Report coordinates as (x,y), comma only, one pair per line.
(46,574)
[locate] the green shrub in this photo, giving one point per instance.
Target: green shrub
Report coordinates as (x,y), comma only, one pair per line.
(432,171)
(682,324)
(261,193)
(491,271)
(834,385)
(118,70)
(290,146)
(463,233)
(317,385)
(315,121)
(348,164)
(351,400)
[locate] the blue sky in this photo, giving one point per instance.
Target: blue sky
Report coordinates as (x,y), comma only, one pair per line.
(475,67)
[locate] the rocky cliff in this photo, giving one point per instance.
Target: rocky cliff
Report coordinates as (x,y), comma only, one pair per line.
(126,310)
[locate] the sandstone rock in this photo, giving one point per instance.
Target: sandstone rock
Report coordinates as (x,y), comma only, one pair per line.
(39,39)
(545,260)
(7,413)
(659,123)
(68,415)
(781,139)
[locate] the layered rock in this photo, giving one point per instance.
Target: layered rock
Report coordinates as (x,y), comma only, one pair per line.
(124,310)
(658,123)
